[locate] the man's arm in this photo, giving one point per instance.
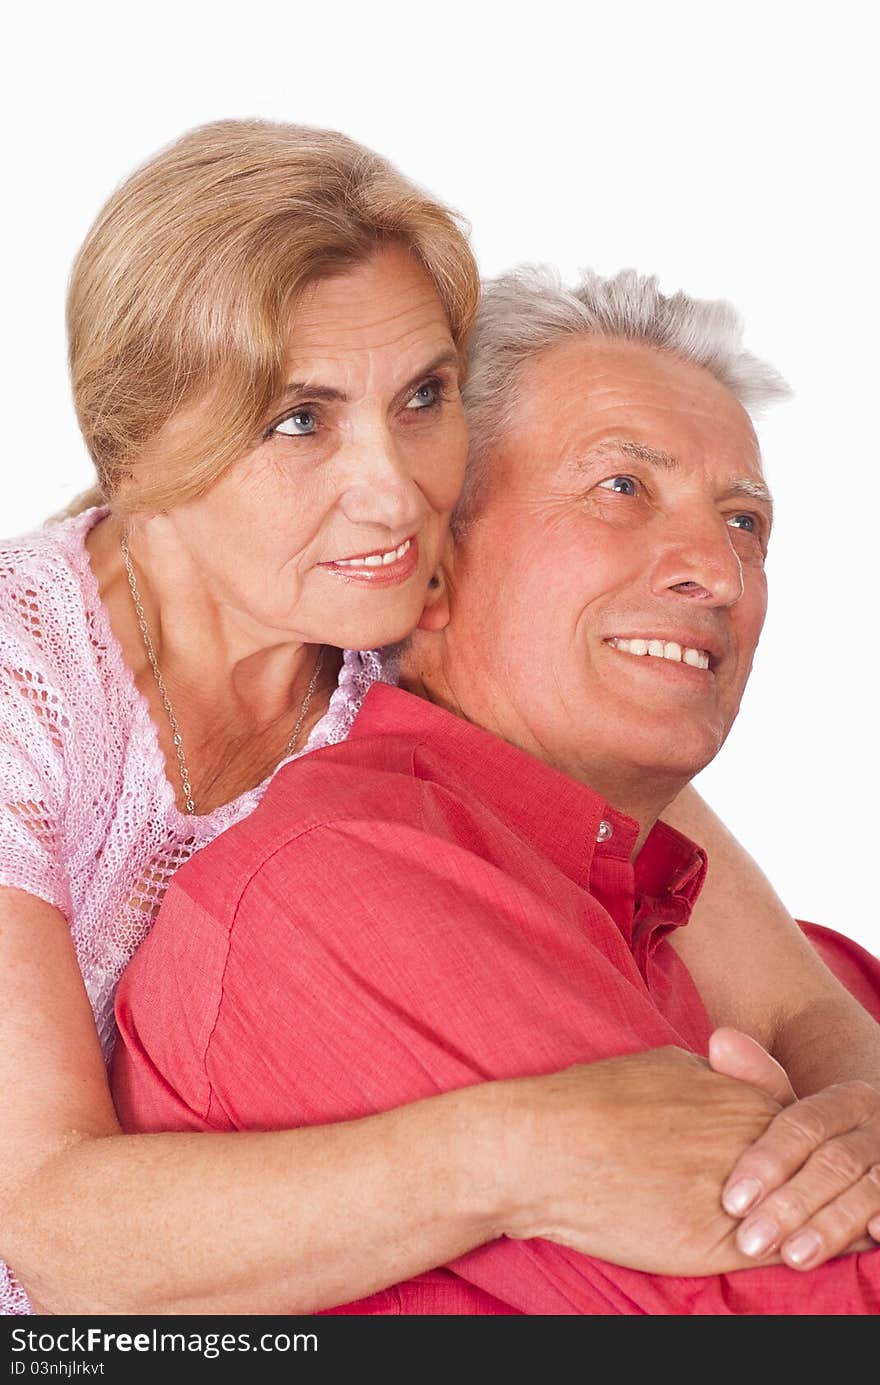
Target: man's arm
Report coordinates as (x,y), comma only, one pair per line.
(818,1167)
(756,971)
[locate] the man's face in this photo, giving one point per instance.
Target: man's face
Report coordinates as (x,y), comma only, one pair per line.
(609,597)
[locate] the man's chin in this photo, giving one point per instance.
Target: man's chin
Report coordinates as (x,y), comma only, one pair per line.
(680,765)
(663,770)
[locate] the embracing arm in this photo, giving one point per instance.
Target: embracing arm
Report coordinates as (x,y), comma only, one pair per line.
(816,1172)
(221,1223)
(297,1220)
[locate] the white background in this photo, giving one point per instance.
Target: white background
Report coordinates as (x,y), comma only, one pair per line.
(732,149)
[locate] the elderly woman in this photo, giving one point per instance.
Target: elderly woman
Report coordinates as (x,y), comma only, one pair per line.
(266,329)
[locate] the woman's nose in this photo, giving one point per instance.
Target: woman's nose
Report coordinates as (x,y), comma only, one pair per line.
(380,488)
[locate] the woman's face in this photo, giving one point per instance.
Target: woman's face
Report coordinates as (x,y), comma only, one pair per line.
(329,530)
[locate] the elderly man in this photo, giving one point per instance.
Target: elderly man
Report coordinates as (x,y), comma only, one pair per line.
(477,884)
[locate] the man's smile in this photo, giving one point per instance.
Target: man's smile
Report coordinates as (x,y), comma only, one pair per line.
(657,648)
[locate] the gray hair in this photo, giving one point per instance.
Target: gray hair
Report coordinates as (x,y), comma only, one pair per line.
(528,311)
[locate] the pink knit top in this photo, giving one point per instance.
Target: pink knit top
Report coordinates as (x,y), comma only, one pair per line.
(88,819)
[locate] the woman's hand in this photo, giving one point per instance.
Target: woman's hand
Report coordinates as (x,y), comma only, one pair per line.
(624,1159)
(809,1187)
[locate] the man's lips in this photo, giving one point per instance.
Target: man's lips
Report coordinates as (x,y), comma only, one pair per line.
(381,567)
(685,648)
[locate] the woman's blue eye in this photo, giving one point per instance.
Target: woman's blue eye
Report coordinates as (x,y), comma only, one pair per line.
(748,523)
(298,425)
(621,485)
(426,395)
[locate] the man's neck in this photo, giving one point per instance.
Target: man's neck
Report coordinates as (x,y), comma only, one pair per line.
(639,794)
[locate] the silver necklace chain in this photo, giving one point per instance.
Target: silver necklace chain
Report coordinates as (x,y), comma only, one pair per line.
(176,737)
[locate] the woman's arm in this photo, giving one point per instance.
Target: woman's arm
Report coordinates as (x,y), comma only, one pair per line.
(810,1186)
(294,1221)
(218,1223)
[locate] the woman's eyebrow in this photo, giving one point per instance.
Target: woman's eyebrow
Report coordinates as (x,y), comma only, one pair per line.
(305,389)
(441,362)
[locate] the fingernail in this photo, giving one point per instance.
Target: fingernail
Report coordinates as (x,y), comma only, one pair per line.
(802,1248)
(757,1238)
(741,1196)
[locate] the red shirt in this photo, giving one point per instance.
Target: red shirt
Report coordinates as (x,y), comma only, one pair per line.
(417,909)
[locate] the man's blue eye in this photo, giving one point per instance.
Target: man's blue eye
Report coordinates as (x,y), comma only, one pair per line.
(298,425)
(426,395)
(746,522)
(621,485)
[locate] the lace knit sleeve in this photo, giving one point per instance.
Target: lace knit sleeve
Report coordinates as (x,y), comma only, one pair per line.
(32,725)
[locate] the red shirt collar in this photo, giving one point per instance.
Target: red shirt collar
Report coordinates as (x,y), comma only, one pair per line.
(552,811)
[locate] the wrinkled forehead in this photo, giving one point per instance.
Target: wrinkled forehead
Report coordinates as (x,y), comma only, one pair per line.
(587,396)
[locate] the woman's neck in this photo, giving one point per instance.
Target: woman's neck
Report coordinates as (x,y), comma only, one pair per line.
(236,691)
(202,644)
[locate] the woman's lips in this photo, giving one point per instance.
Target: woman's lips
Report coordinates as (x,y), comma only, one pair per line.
(383,574)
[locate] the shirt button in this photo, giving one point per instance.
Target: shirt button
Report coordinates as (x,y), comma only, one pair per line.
(605,833)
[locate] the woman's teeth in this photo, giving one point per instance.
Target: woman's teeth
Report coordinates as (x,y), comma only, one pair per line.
(376,559)
(664,649)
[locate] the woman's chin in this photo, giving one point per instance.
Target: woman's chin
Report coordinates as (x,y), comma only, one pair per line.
(376,633)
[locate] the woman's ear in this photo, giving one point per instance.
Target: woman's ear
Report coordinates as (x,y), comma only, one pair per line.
(435,616)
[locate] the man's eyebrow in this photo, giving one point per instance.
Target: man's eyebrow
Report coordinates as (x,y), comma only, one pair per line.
(748,489)
(304,390)
(637,451)
(738,487)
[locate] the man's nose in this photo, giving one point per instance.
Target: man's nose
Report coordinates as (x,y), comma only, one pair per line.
(699,561)
(380,488)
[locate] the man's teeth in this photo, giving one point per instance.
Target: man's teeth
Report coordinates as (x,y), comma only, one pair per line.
(664,649)
(376,559)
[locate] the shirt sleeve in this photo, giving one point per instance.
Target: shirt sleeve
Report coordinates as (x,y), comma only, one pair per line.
(166,1008)
(364,965)
(32,729)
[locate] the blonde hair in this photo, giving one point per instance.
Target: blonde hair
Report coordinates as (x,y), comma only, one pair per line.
(185,284)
